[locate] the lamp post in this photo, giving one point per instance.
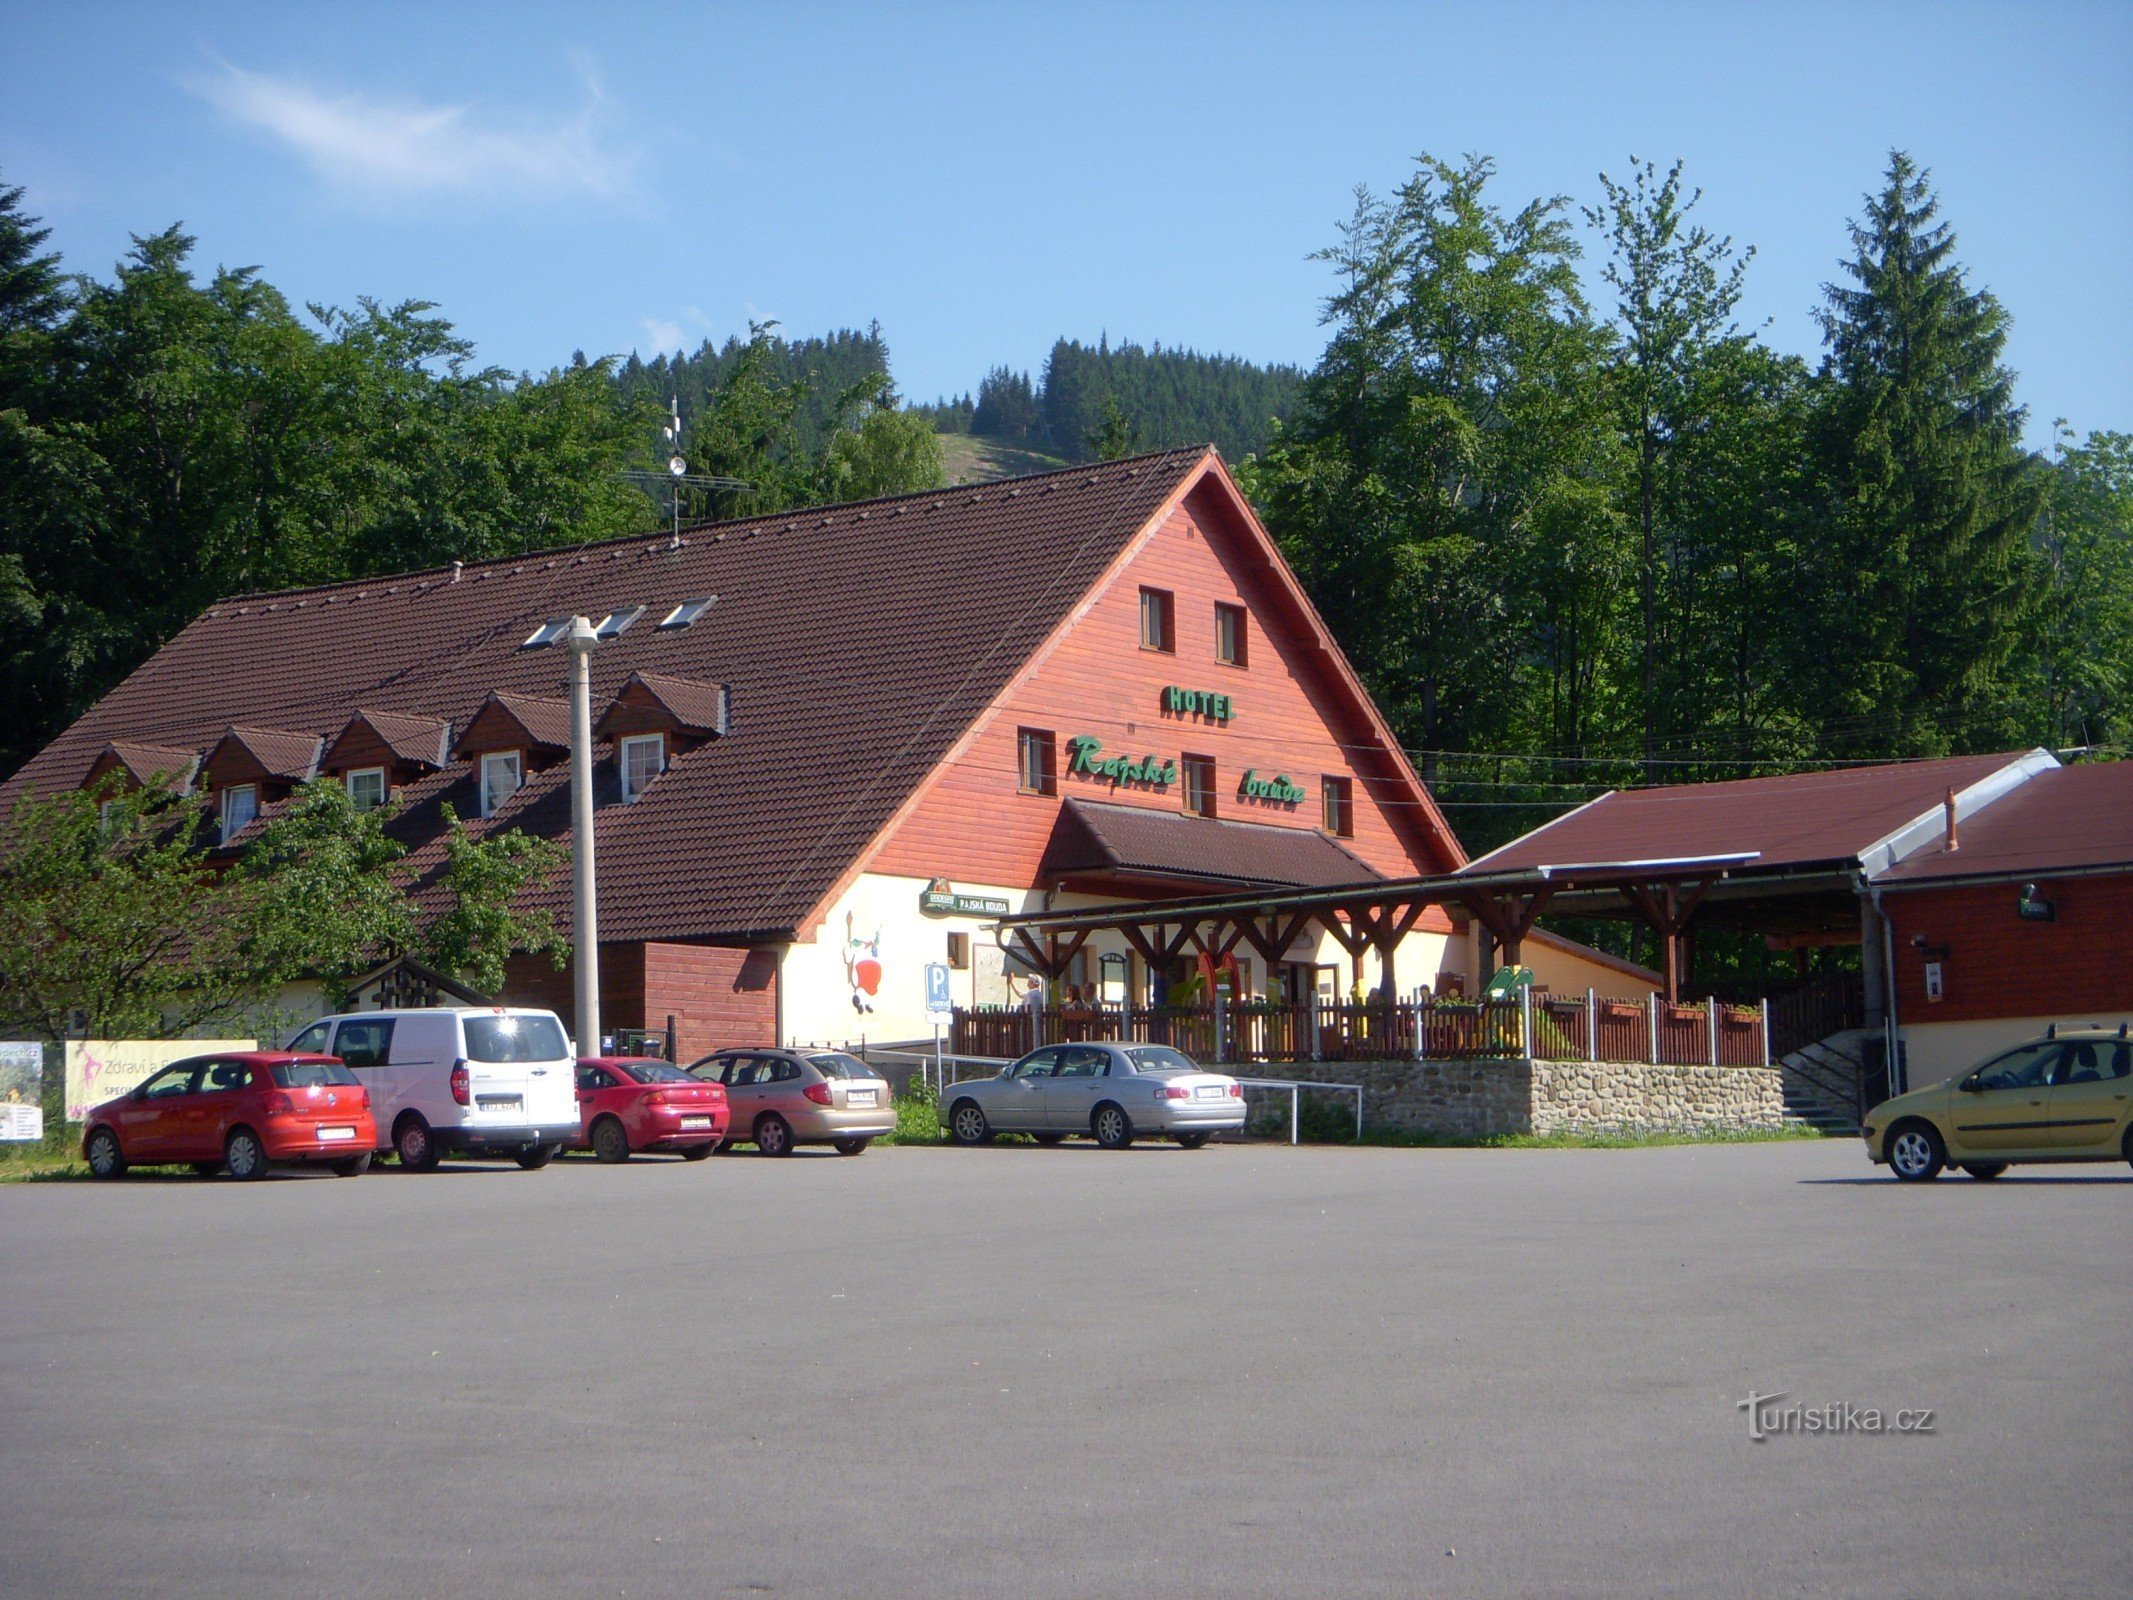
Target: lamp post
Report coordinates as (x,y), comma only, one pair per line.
(585,923)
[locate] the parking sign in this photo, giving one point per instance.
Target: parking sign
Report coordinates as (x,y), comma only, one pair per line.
(939,1008)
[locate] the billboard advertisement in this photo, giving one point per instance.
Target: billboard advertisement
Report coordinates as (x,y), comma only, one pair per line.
(21,1092)
(103,1069)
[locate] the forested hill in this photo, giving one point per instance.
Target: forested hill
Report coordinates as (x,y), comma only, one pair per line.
(1127,396)
(821,370)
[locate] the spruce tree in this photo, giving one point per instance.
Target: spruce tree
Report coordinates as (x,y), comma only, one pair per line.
(1929,499)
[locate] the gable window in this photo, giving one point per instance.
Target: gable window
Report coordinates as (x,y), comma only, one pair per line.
(644,757)
(1200,785)
(240,804)
(104,810)
(1340,806)
(501,776)
(1229,634)
(366,788)
(1158,620)
(1037,761)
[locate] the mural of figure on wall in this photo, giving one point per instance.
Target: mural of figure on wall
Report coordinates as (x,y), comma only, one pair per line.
(862,965)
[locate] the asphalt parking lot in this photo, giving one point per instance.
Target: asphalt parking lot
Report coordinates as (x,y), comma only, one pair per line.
(1242,1371)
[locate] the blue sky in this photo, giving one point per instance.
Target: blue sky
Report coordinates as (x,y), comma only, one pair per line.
(982,179)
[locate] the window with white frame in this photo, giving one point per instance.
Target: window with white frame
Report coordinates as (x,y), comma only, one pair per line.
(240,804)
(644,757)
(366,788)
(500,778)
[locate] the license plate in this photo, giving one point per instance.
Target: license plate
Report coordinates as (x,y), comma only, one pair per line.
(336,1133)
(695,1122)
(1211,1091)
(499,1102)
(859,1097)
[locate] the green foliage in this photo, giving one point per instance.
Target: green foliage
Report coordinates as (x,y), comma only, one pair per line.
(1115,435)
(1929,501)
(108,908)
(325,872)
(918,1113)
(483,922)
(2080,678)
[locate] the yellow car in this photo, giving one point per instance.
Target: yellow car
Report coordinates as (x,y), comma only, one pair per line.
(2065,1097)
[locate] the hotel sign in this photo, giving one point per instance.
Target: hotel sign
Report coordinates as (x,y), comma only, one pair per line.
(1276,789)
(939,899)
(1086,759)
(1196,703)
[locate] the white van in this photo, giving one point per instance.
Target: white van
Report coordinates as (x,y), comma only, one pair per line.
(482,1079)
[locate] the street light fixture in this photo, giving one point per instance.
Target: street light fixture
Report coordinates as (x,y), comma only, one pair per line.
(585,921)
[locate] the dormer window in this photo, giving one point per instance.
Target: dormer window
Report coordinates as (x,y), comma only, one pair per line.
(366,788)
(240,804)
(501,775)
(644,757)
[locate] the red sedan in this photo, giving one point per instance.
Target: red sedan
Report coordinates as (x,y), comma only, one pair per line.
(241,1113)
(627,1104)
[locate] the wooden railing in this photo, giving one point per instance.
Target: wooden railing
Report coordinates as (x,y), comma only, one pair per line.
(1560,1028)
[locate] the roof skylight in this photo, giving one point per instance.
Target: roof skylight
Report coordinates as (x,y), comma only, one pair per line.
(547,633)
(688,611)
(616,620)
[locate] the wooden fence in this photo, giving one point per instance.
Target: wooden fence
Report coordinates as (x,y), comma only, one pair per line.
(1560,1028)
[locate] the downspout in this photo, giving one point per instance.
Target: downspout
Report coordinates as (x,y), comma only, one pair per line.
(1890,1056)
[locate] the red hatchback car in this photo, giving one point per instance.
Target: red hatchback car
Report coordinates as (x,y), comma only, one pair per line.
(241,1112)
(628,1103)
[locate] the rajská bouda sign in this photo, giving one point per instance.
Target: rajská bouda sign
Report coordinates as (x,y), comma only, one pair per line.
(1276,790)
(1085,759)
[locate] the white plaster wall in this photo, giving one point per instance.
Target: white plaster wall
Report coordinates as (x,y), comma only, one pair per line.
(1571,972)
(1937,1051)
(878,919)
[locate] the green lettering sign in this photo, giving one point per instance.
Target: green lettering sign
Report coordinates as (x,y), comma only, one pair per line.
(1277,790)
(1205,703)
(1085,759)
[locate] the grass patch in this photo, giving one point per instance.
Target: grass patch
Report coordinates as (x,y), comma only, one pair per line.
(918,1115)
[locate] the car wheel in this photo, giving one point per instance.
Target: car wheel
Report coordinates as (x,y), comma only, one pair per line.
(536,1156)
(773,1135)
(967,1124)
(850,1147)
(1915,1152)
(1984,1169)
(610,1141)
(244,1155)
(696,1152)
(1112,1127)
(102,1153)
(1191,1141)
(414,1144)
(353,1166)
(1049,1138)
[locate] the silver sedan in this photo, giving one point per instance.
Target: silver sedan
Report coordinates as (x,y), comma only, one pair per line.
(1112,1092)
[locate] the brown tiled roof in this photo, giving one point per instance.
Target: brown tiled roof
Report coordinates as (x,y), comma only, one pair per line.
(423,741)
(2069,819)
(858,641)
(546,722)
(1802,819)
(280,752)
(1143,842)
(144,761)
(696,707)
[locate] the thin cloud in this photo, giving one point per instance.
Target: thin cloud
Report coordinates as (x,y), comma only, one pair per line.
(400,147)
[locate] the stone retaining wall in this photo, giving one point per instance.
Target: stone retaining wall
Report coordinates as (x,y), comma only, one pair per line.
(1479,1099)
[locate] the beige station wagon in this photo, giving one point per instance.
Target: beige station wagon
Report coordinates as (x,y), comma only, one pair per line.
(778,1099)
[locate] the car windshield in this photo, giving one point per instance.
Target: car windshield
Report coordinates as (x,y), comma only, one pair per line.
(310,1074)
(836,1064)
(509,1039)
(1159,1058)
(655,1072)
